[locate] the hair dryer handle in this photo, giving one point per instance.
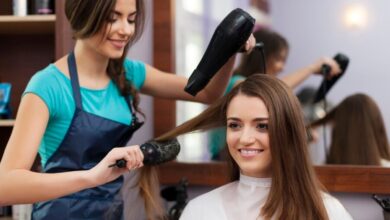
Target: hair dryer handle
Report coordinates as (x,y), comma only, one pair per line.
(343,61)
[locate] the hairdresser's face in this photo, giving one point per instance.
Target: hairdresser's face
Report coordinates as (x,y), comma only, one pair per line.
(277,63)
(111,41)
(247,135)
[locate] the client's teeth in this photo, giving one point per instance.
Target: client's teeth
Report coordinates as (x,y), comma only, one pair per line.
(250,151)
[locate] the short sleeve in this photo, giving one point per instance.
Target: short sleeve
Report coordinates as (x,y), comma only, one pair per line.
(43,84)
(135,72)
(233,81)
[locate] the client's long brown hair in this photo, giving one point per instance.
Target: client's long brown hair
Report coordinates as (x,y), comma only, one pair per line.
(358,135)
(295,192)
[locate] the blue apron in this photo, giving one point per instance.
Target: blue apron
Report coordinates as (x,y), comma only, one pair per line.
(87,141)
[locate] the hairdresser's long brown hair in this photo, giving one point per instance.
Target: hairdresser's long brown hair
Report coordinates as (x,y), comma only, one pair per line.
(359,134)
(252,63)
(89,17)
(295,191)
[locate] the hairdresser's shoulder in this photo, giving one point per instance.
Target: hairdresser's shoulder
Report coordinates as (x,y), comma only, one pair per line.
(135,72)
(131,65)
(50,75)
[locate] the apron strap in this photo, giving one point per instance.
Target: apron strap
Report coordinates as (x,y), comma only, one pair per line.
(76,89)
(135,121)
(74,80)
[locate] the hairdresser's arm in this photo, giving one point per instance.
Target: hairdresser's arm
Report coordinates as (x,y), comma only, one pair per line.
(297,77)
(20,185)
(164,85)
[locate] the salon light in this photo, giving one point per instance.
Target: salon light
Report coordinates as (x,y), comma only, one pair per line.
(195,7)
(355,16)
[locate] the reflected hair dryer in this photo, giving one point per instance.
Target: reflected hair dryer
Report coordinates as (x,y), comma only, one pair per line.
(343,61)
(155,153)
(178,194)
(228,38)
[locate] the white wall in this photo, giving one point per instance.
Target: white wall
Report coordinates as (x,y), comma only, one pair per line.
(315,28)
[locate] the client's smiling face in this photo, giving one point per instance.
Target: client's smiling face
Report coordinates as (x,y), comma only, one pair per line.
(247,135)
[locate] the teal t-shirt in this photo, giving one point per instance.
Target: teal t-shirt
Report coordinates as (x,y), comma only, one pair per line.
(217,137)
(55,89)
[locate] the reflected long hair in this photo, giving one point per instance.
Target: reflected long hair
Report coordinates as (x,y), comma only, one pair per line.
(252,63)
(358,135)
(295,191)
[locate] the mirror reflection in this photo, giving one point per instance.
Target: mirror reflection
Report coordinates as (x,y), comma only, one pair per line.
(314,31)
(358,134)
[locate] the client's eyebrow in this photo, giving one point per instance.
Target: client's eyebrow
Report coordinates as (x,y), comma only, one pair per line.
(256,119)
(261,119)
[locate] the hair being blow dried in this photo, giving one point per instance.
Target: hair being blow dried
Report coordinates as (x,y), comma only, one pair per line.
(252,63)
(295,192)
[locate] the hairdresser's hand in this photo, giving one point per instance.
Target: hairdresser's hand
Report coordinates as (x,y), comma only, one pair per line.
(102,173)
(312,135)
(334,67)
(249,45)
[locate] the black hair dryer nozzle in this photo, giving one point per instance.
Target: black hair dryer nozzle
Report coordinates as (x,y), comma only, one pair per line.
(228,38)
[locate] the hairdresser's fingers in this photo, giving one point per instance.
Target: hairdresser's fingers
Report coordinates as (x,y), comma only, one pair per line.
(250,44)
(140,157)
(106,170)
(137,156)
(312,135)
(114,155)
(334,68)
(132,163)
(327,66)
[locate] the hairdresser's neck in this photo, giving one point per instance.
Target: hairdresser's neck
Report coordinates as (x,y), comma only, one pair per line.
(89,61)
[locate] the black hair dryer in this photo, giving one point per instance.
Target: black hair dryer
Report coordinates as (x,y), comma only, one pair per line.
(228,38)
(343,61)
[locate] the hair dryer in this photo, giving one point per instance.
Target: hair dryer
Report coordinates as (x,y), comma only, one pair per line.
(227,39)
(343,61)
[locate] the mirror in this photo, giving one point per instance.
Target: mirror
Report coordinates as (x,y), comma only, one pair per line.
(353,185)
(313,29)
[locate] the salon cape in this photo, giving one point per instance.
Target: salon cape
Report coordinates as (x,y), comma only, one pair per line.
(243,199)
(385,163)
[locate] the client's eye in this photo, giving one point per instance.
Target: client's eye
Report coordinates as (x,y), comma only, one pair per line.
(262,126)
(233,125)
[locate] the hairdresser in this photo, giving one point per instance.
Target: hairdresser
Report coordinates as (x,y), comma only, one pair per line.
(79,112)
